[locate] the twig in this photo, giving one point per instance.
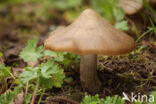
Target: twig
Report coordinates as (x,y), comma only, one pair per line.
(62,99)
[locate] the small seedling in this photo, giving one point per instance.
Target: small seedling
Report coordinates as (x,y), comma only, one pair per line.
(46,75)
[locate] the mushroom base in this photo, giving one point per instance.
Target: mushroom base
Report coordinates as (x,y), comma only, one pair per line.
(88,74)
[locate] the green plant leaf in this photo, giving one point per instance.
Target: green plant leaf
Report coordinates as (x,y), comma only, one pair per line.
(58,78)
(56,55)
(153,26)
(9,95)
(4,71)
(153,94)
(109,10)
(119,14)
(46,82)
(48,74)
(51,72)
(92,100)
(1,54)
(50,53)
(108,100)
(122,25)
(47,69)
(7,98)
(114,100)
(66,4)
(31,52)
(29,74)
(28,99)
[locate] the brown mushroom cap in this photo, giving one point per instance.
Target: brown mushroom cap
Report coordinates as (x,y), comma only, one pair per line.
(59,28)
(90,34)
(131,6)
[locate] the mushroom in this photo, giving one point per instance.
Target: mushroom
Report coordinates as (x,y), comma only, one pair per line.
(89,35)
(59,28)
(131,6)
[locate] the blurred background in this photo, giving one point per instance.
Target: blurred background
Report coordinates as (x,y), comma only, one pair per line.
(30,17)
(26,18)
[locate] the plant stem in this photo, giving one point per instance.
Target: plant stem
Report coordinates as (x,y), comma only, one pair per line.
(2,83)
(1,60)
(35,91)
(11,75)
(145,33)
(6,85)
(41,96)
(26,89)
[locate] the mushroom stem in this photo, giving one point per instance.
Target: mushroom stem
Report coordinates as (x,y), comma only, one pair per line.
(88,74)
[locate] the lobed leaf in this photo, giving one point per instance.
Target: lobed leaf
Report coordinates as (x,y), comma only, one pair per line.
(31,52)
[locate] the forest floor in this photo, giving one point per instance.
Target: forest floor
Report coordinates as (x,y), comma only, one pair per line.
(134,72)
